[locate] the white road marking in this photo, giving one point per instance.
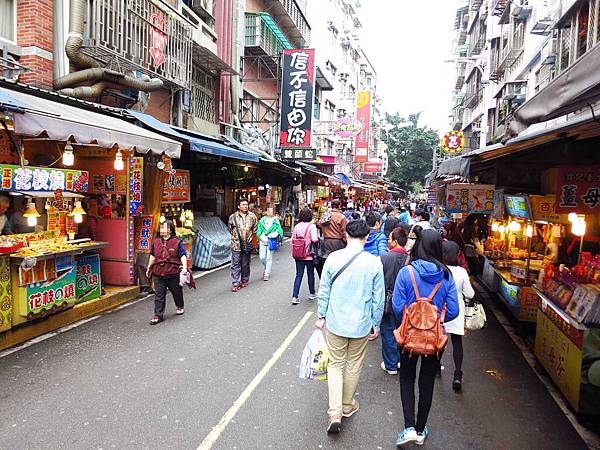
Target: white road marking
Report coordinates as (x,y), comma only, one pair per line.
(591,440)
(218,429)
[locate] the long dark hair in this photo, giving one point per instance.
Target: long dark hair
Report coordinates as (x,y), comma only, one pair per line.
(428,247)
(453,234)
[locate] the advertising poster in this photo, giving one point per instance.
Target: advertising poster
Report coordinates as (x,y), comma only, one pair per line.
(470,198)
(578,189)
(518,206)
(177,187)
(5,294)
(372,167)
(363,115)
(88,285)
(297,96)
(43,296)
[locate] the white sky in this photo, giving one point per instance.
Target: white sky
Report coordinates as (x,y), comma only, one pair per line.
(407,42)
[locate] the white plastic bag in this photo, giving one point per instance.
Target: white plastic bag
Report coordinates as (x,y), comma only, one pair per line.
(475,318)
(315,357)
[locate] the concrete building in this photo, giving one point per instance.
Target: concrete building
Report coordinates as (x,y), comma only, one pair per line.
(343,69)
(142,55)
(507,52)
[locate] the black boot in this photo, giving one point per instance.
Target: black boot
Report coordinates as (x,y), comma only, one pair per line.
(457,382)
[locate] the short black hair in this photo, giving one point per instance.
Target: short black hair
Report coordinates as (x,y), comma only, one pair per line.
(421,212)
(305,215)
(400,235)
(355,215)
(389,209)
(372,218)
(242,200)
(172,228)
(357,228)
(335,203)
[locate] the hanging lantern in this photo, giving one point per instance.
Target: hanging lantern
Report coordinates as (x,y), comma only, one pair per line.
(119,165)
(31,214)
(68,158)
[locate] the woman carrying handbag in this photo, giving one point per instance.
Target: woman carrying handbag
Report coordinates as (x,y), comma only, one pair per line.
(269,232)
(456,328)
(304,236)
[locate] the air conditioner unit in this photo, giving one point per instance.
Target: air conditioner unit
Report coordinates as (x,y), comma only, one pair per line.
(549,51)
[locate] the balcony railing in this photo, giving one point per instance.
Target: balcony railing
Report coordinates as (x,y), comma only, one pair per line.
(477,43)
(140,35)
(499,6)
(511,45)
(476,4)
(473,99)
(291,19)
(460,75)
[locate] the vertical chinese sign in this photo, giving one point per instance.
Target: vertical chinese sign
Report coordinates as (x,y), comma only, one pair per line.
(578,189)
(363,115)
(136,180)
(297,97)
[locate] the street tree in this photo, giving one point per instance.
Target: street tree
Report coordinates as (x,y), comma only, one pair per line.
(410,149)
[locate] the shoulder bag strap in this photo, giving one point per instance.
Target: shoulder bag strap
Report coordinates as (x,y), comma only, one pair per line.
(344,268)
(435,289)
(411,271)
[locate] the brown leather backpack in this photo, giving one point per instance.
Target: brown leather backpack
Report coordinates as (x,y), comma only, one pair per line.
(421,331)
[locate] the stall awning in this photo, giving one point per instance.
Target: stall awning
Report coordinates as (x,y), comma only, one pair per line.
(575,88)
(264,156)
(306,168)
(197,143)
(35,115)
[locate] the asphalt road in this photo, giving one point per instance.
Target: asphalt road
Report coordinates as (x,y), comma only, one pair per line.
(117,382)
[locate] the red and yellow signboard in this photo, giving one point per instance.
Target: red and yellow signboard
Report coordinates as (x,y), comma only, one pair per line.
(177,187)
(453,142)
(372,167)
(578,189)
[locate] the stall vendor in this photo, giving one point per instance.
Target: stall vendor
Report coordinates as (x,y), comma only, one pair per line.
(5,227)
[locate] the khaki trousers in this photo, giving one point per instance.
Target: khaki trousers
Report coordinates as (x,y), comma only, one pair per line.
(346,356)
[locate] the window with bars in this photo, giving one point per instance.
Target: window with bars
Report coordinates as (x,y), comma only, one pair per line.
(579,33)
(203,96)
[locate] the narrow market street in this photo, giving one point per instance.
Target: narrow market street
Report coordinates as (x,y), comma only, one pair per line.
(117,382)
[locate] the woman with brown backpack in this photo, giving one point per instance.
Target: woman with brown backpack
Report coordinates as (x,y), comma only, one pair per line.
(424,297)
(304,237)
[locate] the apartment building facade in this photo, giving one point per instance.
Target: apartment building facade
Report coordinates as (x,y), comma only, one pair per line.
(507,52)
(343,69)
(168,58)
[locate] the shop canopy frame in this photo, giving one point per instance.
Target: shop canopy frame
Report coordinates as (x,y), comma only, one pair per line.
(36,112)
(196,143)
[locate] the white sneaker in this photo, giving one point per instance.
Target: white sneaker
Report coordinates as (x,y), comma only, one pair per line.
(295,301)
(389,372)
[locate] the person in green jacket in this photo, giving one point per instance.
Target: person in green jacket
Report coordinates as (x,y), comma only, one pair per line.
(269,228)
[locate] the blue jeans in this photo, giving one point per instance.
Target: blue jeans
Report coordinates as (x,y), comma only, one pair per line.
(266,257)
(389,346)
(310,272)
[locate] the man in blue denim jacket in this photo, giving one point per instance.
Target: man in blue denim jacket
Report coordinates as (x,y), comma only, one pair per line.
(351,304)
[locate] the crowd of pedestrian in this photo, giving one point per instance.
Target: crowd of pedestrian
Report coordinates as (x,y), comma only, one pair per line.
(384,271)
(373,282)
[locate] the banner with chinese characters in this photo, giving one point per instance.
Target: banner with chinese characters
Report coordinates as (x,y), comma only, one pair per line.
(136,185)
(363,115)
(45,295)
(177,187)
(144,237)
(470,198)
(578,189)
(372,167)
(42,179)
(297,96)
(543,208)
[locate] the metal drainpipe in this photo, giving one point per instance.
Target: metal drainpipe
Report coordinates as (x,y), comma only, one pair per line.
(235,79)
